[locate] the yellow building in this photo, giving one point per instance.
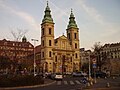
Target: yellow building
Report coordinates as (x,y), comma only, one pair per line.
(60,54)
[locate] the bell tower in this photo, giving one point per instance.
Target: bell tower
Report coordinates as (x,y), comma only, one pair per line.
(47,41)
(73,37)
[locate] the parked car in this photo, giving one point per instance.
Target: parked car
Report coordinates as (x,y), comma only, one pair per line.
(57,76)
(99,74)
(77,74)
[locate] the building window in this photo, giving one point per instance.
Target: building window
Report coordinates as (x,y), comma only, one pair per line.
(42,54)
(42,31)
(75,45)
(68,35)
(76,56)
(70,59)
(50,43)
(50,31)
(55,58)
(75,35)
(50,53)
(43,42)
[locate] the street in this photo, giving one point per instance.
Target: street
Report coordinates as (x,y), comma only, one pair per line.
(68,83)
(74,83)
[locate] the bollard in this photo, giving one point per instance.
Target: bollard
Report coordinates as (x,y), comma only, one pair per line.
(88,84)
(113,77)
(108,84)
(95,81)
(91,83)
(98,77)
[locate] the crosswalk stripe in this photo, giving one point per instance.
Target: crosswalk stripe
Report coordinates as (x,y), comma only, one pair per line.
(72,83)
(77,82)
(65,82)
(59,83)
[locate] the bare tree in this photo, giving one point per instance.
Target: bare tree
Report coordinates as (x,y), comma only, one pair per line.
(97,48)
(19,34)
(17,37)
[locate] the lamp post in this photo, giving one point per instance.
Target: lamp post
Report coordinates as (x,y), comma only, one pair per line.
(89,67)
(34,64)
(90,79)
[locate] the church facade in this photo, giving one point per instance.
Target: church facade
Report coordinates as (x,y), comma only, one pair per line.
(63,53)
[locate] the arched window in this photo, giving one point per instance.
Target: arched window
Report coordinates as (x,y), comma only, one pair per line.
(43,42)
(42,54)
(68,35)
(50,44)
(75,35)
(42,31)
(50,31)
(50,53)
(76,56)
(75,45)
(55,58)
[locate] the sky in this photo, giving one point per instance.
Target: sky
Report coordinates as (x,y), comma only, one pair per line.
(98,20)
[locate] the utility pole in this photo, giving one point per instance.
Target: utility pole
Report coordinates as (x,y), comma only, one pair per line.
(34,63)
(89,67)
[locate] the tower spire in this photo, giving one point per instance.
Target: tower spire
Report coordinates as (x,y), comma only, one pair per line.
(47,3)
(47,17)
(71,10)
(72,22)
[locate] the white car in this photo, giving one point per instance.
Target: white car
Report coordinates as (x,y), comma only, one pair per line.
(57,76)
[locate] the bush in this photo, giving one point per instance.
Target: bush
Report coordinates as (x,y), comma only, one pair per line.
(20,80)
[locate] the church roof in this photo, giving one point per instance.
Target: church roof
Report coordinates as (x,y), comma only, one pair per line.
(72,22)
(47,17)
(61,37)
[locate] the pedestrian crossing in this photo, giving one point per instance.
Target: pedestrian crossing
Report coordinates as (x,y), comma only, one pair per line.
(64,82)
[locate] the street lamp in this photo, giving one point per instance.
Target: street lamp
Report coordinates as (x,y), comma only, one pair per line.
(34,64)
(89,67)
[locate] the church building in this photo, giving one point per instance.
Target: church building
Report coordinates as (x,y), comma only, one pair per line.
(60,54)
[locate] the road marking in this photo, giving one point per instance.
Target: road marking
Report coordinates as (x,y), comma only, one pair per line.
(72,89)
(58,82)
(65,82)
(72,83)
(77,82)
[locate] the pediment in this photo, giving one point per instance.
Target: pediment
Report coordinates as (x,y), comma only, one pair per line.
(63,37)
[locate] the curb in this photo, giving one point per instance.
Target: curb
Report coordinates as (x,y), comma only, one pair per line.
(112,88)
(23,87)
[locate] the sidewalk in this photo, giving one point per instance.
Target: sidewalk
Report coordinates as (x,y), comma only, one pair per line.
(46,83)
(106,84)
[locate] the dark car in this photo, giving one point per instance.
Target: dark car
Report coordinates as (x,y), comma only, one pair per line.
(77,74)
(99,74)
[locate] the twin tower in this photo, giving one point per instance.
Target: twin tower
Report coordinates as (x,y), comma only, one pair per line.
(63,53)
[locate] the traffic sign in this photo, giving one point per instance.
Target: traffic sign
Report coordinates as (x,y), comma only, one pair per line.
(94,65)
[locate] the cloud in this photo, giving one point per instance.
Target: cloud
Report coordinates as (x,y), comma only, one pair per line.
(109,28)
(59,13)
(91,11)
(106,32)
(25,16)
(29,19)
